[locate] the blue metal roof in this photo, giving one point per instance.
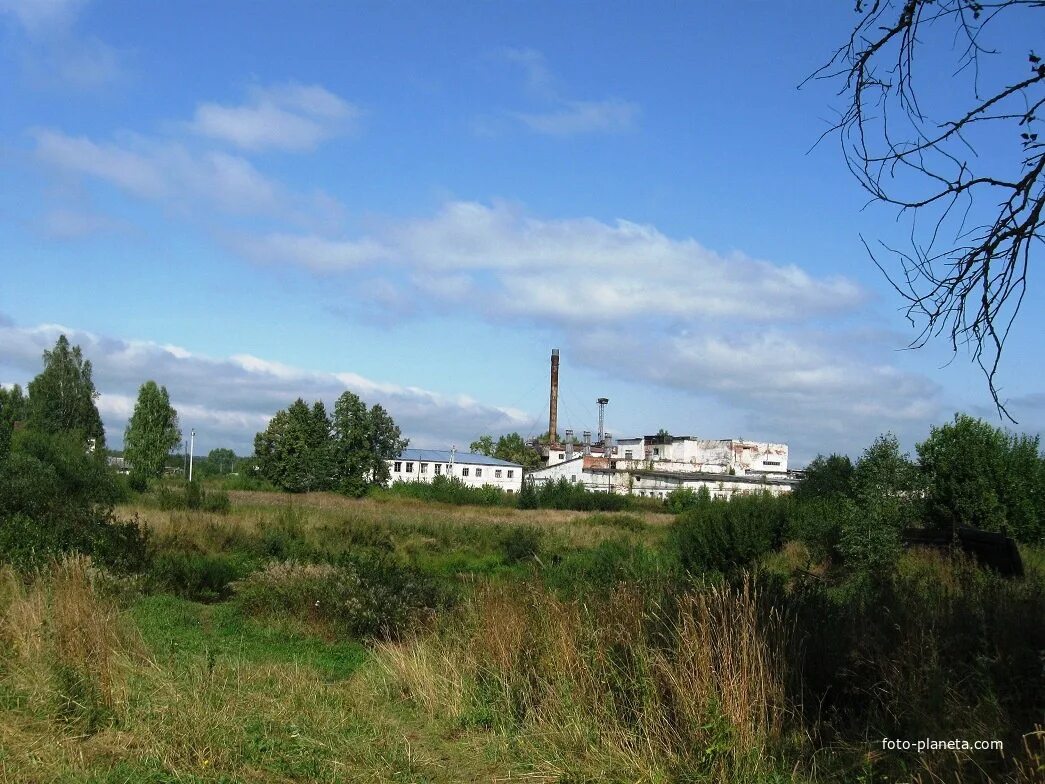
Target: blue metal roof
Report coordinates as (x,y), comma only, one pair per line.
(443,456)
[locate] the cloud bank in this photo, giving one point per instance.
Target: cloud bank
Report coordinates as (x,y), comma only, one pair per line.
(229,399)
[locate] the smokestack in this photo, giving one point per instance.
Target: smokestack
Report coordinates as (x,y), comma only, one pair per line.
(553,406)
(569,445)
(607,444)
(602,401)
(587,442)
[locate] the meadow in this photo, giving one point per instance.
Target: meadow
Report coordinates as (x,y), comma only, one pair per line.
(319,638)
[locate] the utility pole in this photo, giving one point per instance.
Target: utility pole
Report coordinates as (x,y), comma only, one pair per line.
(192,444)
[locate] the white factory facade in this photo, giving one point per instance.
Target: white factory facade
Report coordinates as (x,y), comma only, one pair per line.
(474,470)
(653,466)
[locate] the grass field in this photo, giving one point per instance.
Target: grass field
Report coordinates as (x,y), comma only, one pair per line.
(544,646)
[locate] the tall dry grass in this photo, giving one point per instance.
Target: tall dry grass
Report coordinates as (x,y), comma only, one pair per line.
(620,687)
(65,649)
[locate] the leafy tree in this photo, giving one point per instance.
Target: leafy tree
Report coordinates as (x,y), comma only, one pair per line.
(14,407)
(61,398)
(975,218)
(826,477)
(294,451)
(57,498)
(302,449)
(978,475)
(362,441)
(222,460)
(483,446)
(511,447)
(386,442)
(152,432)
(514,449)
(886,489)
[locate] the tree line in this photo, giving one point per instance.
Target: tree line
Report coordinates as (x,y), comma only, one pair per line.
(304,449)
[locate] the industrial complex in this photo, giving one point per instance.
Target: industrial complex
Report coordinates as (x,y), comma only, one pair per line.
(649,466)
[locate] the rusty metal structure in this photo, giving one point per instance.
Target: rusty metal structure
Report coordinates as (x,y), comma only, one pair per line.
(553,405)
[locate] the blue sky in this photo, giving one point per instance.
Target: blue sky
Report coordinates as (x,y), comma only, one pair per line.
(249,202)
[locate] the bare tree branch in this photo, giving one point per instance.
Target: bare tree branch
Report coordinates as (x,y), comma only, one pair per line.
(965,273)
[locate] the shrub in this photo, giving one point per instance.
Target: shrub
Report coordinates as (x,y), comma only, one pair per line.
(451,490)
(520,543)
(569,495)
(360,596)
(283,537)
(55,498)
(595,571)
(197,576)
(684,499)
(818,523)
(192,495)
(723,536)
(625,522)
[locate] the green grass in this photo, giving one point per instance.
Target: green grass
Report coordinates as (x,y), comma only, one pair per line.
(179,632)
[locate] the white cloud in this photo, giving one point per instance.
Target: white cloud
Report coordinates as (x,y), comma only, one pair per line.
(166,171)
(74,224)
(567,270)
(287,117)
(131,171)
(765,340)
(229,399)
(316,253)
(577,117)
(40,16)
(539,77)
(51,52)
(559,115)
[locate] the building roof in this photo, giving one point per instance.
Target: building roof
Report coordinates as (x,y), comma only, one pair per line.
(443,456)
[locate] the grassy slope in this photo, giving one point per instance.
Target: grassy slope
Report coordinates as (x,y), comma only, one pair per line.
(213,696)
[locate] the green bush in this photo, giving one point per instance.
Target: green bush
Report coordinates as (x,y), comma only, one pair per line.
(520,543)
(595,571)
(193,495)
(626,522)
(197,576)
(684,499)
(370,596)
(450,490)
(56,498)
(818,523)
(283,537)
(565,494)
(722,535)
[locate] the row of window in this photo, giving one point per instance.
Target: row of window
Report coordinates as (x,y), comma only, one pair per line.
(397,468)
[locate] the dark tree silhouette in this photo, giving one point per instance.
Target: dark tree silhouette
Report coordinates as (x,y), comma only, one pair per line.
(976,219)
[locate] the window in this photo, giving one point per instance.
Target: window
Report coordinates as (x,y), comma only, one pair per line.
(497,474)
(627,454)
(478,472)
(424,468)
(771,462)
(410,468)
(656,450)
(562,455)
(464,472)
(438,468)
(511,473)
(397,466)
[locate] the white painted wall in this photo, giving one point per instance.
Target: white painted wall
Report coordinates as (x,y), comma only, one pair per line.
(508,478)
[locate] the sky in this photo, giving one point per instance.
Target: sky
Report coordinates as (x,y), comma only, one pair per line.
(250,202)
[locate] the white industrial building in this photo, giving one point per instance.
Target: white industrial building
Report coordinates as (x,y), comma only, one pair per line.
(653,466)
(474,470)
